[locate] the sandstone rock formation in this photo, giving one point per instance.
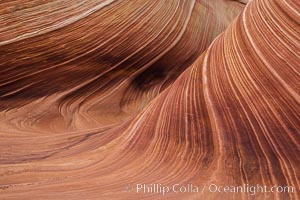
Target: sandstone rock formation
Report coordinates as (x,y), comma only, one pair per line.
(97,96)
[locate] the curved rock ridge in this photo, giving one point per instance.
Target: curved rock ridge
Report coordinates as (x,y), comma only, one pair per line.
(91,64)
(99,96)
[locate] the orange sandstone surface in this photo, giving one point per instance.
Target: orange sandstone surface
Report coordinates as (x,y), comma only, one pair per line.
(101,98)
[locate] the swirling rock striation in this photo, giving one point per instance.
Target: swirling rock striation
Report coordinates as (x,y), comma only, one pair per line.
(98,95)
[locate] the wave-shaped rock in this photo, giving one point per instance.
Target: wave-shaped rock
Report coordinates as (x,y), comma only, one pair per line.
(97,96)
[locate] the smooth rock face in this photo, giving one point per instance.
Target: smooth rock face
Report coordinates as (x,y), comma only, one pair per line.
(99,98)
